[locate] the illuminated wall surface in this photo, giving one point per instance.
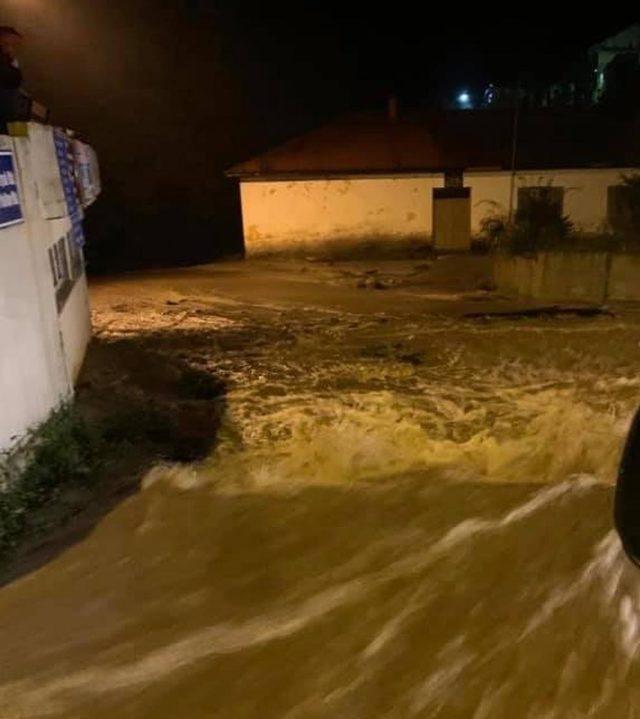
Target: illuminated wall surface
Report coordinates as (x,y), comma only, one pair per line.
(585,193)
(44,309)
(305,214)
(291,214)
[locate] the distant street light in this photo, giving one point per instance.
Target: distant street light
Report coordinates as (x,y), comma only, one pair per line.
(464,100)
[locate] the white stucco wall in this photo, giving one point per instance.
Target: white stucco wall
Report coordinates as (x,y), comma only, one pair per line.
(40,349)
(32,375)
(32,370)
(585,197)
(489,195)
(75,326)
(305,214)
(299,214)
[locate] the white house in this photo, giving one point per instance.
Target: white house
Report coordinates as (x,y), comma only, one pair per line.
(430,178)
(46,179)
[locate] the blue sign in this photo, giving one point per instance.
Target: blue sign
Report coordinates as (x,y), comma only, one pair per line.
(64,151)
(10,208)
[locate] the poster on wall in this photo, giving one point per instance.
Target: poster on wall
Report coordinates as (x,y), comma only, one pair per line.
(84,167)
(64,151)
(10,207)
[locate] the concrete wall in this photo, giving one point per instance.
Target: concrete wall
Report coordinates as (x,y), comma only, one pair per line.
(307,214)
(551,276)
(75,327)
(41,345)
(570,276)
(624,280)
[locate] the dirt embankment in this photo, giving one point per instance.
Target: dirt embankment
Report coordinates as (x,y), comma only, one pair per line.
(139,406)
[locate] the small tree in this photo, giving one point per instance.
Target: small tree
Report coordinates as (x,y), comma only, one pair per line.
(493,224)
(538,224)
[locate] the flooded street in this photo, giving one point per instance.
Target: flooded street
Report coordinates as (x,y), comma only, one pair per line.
(407,513)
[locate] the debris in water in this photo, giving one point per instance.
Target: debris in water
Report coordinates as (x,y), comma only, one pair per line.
(549,311)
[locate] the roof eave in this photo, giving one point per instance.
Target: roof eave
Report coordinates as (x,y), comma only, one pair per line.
(413,172)
(330,174)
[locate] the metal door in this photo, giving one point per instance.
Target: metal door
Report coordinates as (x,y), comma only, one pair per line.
(452,218)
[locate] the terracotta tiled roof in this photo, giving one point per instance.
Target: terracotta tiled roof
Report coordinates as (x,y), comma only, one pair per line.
(432,142)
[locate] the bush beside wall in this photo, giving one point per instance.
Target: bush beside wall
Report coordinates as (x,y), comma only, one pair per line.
(62,453)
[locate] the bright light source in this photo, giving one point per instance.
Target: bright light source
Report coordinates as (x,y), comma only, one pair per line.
(464,100)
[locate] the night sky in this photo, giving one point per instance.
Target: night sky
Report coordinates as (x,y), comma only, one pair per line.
(172,93)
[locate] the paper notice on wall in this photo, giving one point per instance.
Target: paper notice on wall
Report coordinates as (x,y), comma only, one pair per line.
(10,206)
(95,171)
(86,169)
(44,165)
(66,161)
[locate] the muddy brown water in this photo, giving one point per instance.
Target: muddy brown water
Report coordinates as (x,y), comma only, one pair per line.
(406,515)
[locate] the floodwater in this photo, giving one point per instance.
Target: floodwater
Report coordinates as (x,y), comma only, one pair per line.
(408,514)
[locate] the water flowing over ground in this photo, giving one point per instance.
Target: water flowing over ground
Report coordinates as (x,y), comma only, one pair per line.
(407,514)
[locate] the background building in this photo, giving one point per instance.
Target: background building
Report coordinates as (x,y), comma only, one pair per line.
(606,74)
(429,178)
(616,67)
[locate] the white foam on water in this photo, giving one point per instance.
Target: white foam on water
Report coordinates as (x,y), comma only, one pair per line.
(541,436)
(435,692)
(605,571)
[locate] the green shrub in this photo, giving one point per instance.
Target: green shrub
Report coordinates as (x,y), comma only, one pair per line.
(492,228)
(539,225)
(12,520)
(65,451)
(62,452)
